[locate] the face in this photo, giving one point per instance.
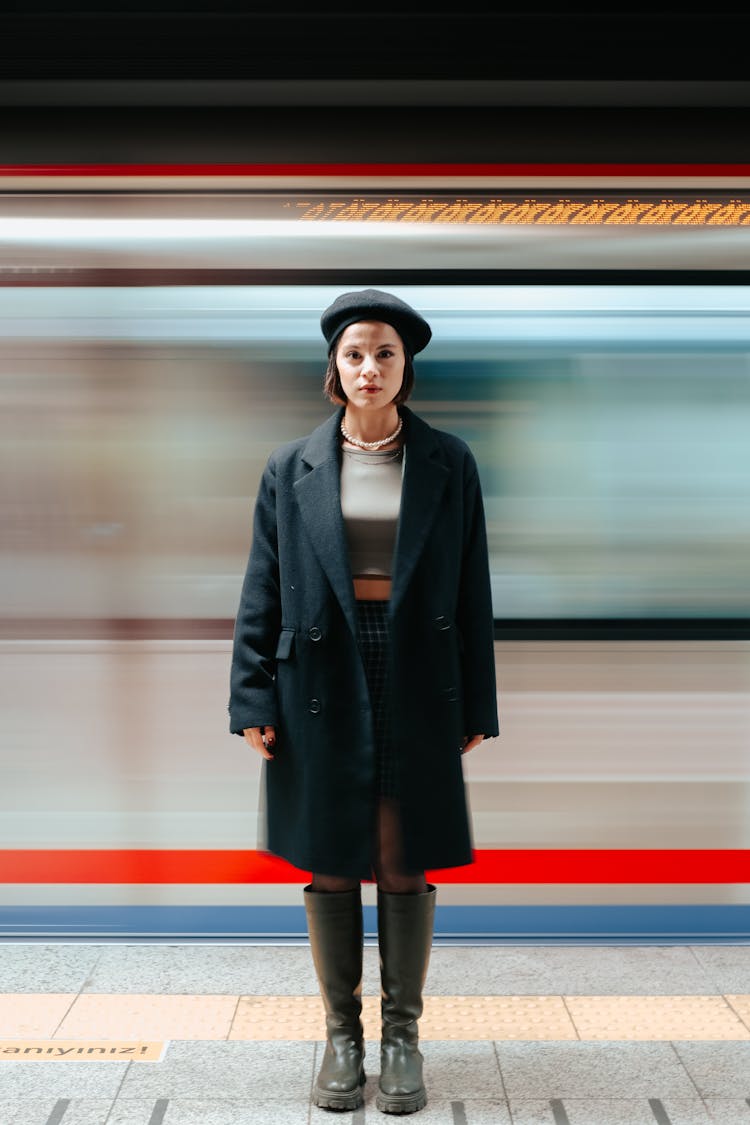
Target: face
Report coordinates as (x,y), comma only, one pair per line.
(371,360)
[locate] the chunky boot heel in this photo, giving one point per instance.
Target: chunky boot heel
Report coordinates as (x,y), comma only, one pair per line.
(334,923)
(405,927)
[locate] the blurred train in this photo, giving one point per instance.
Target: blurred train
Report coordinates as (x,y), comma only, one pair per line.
(591,342)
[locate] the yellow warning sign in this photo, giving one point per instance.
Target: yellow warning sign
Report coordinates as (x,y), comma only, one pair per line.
(81,1049)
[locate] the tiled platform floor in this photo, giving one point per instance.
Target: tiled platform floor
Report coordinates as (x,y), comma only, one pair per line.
(513,1035)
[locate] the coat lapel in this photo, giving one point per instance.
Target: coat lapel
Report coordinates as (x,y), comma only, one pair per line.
(319,499)
(425,478)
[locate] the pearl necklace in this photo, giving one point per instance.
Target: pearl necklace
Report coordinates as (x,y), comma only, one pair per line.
(371,444)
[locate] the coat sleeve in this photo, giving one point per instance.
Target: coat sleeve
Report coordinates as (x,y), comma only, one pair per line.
(474,616)
(252,699)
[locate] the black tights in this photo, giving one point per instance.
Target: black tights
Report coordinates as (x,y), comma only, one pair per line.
(389,868)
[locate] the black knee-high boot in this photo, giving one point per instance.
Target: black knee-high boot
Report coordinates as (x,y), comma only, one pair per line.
(405,927)
(334,924)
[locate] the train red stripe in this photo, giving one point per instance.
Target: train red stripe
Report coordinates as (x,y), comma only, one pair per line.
(374,170)
(555,866)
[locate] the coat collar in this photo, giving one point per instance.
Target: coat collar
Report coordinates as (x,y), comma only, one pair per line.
(319,497)
(324,442)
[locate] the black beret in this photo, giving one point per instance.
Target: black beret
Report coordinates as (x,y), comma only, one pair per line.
(373,304)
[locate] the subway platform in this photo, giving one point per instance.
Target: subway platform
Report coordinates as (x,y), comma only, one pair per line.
(202,1033)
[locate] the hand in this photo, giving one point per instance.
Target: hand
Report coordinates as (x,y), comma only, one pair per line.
(470,741)
(262,739)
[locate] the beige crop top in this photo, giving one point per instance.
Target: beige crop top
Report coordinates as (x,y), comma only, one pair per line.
(370,504)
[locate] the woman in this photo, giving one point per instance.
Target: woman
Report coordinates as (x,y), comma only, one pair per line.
(363,666)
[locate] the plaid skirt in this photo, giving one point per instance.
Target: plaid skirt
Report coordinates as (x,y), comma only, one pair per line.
(373,637)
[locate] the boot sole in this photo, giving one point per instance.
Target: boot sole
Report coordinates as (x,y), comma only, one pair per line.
(328,1099)
(401,1103)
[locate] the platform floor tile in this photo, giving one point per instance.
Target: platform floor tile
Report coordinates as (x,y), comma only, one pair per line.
(219,1071)
(729,1111)
(727,966)
(266,1084)
(611,1111)
(59,1111)
(183,968)
(579,970)
(219,969)
(593,1070)
(183,1112)
(463,1071)
(43,967)
(246,1111)
(718,1070)
(68,1079)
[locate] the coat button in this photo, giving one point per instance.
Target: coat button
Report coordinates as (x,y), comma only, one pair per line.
(442,623)
(315,706)
(314,634)
(450,694)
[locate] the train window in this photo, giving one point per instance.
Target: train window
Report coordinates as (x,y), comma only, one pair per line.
(609,423)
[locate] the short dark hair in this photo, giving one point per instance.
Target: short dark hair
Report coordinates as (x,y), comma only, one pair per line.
(333,390)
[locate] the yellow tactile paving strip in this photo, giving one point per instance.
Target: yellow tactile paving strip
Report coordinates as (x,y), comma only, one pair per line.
(31,1014)
(130,1017)
(127,1016)
(655,1017)
(444,1017)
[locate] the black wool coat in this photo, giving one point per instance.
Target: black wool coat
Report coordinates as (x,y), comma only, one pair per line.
(296,662)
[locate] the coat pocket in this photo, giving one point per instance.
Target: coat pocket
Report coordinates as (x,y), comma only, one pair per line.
(285,646)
